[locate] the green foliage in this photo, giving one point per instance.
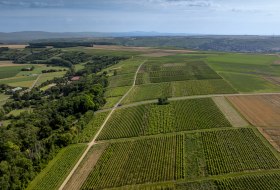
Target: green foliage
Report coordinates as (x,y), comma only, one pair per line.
(178,89)
(163,101)
(140,161)
(57,170)
(160,71)
(249,83)
(226,151)
(90,129)
(152,119)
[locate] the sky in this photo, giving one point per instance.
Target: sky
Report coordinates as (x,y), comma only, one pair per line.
(166,16)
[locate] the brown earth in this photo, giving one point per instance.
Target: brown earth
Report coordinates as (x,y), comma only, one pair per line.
(13,46)
(259,110)
(9,64)
(80,175)
(272,135)
(229,112)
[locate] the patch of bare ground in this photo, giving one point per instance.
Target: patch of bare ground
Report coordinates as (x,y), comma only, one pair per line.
(9,64)
(277,62)
(13,46)
(229,112)
(272,135)
(274,80)
(84,169)
(259,110)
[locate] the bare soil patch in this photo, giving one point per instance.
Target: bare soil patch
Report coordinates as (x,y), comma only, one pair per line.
(9,64)
(84,169)
(230,113)
(272,135)
(274,80)
(259,110)
(277,62)
(13,46)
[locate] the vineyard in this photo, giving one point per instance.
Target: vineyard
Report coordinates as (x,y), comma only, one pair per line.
(226,151)
(178,89)
(155,72)
(150,119)
(140,161)
(248,182)
(56,171)
(91,128)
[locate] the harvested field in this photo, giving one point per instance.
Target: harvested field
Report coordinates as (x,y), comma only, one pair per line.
(14,46)
(261,111)
(84,169)
(230,113)
(9,64)
(272,135)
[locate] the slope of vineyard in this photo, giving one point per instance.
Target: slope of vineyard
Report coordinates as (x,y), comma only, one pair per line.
(91,128)
(226,151)
(178,89)
(185,69)
(248,182)
(56,171)
(150,119)
(140,161)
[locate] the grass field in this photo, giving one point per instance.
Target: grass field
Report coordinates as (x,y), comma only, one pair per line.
(19,111)
(58,168)
(150,119)
(8,71)
(49,76)
(178,89)
(249,83)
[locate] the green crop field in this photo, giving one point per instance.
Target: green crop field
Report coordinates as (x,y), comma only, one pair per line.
(6,72)
(91,128)
(140,161)
(155,72)
(178,89)
(150,119)
(49,76)
(249,83)
(56,171)
(226,151)
(248,182)
(118,91)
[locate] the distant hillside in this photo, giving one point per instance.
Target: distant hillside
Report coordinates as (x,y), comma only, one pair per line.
(154,39)
(26,36)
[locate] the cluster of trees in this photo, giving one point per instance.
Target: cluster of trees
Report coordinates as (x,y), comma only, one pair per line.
(33,138)
(52,70)
(59,44)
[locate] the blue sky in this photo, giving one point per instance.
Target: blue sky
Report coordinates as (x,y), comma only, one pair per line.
(173,16)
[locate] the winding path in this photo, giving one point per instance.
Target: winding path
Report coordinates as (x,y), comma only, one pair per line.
(100,129)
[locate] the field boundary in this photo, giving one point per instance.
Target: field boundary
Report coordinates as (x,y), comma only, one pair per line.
(99,131)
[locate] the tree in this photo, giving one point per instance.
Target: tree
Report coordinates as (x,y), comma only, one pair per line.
(163,101)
